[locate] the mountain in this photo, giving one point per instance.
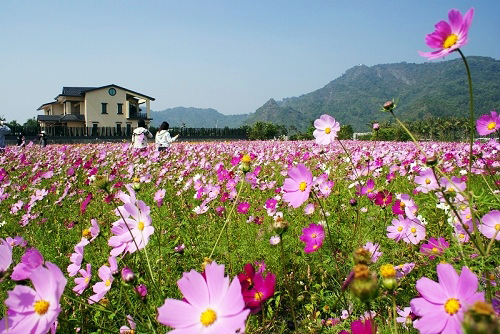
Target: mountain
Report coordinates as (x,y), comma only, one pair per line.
(196,118)
(431,89)
(434,89)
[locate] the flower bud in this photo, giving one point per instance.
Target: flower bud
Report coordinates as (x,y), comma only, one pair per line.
(136,184)
(364,286)
(481,319)
(431,160)
(141,290)
(353,202)
(389,105)
(376,126)
(245,163)
(102,182)
(362,256)
(127,275)
(388,274)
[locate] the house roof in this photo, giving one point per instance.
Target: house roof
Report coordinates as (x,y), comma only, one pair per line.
(80,91)
(61,118)
(45,104)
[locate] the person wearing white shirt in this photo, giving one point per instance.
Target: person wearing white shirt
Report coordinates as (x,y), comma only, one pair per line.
(140,135)
(163,139)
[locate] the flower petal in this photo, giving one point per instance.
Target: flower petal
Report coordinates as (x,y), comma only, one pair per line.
(431,291)
(194,288)
(178,314)
(448,280)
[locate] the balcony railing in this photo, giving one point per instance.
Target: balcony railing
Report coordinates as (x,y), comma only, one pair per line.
(138,115)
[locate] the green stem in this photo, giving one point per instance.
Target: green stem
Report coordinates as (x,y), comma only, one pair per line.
(227,220)
(287,282)
(394,313)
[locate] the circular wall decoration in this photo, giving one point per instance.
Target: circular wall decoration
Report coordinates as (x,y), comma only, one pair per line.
(112,91)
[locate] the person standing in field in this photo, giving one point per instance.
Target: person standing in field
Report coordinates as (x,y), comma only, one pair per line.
(163,139)
(4,129)
(140,135)
(43,138)
(21,140)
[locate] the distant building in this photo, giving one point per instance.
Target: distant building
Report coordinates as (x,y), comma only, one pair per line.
(108,106)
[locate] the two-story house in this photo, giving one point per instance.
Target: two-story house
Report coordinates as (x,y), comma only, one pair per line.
(108,106)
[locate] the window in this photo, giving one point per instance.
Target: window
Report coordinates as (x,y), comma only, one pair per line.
(104,108)
(94,129)
(129,129)
(119,129)
(120,109)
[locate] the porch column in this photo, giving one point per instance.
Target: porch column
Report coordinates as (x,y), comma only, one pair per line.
(147,108)
(67,108)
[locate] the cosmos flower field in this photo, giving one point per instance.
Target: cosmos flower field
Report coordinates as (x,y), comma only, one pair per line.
(229,209)
(323,236)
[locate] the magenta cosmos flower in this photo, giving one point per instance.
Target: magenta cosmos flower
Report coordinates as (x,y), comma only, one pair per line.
(435,247)
(448,37)
(313,237)
(443,304)
(326,129)
(490,225)
(256,288)
(210,305)
(397,230)
(35,310)
(297,186)
(487,124)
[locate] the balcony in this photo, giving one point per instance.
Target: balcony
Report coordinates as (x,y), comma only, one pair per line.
(138,115)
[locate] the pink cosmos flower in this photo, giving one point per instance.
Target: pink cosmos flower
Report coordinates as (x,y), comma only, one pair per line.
(31,259)
(77,257)
(490,225)
(398,229)
(326,129)
(16,241)
(374,250)
(127,329)
(82,283)
(360,327)
(435,247)
(367,189)
(309,209)
(297,186)
(415,232)
(94,230)
(101,288)
(243,207)
(132,233)
(211,304)
(426,181)
(159,196)
(487,124)
(35,310)
(85,203)
(5,255)
(313,237)
(448,37)
(442,305)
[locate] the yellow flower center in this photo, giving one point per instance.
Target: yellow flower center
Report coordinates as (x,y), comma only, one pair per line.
(402,205)
(427,181)
(452,306)
(302,186)
(461,236)
(86,233)
(140,226)
(136,180)
(246,158)
(492,277)
(107,283)
(208,317)
(400,228)
(413,230)
(327,131)
(435,250)
(86,279)
(258,296)
(387,270)
(451,189)
(468,216)
(450,41)
(315,246)
(41,306)
(497,227)
(314,235)
(491,125)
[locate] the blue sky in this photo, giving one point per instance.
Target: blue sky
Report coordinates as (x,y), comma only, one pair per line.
(229,55)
